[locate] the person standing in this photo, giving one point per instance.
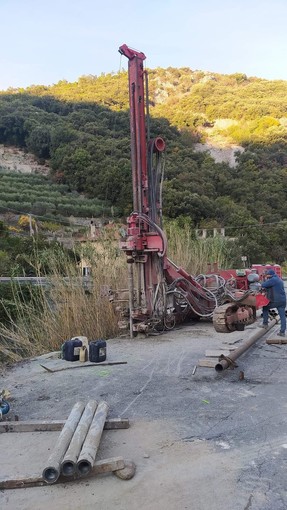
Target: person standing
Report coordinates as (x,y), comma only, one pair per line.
(276,294)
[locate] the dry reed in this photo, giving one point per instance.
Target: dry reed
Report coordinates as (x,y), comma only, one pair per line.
(65,308)
(195,255)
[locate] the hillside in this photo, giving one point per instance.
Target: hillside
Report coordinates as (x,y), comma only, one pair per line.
(191,99)
(81,130)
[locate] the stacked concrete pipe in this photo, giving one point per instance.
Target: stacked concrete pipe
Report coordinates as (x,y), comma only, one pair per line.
(76,448)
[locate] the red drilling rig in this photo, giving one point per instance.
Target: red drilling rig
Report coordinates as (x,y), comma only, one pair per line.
(160,293)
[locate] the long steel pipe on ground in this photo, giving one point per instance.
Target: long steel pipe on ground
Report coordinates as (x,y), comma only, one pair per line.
(51,473)
(89,450)
(69,462)
(228,361)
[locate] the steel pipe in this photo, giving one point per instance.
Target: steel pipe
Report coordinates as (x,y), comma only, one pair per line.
(51,473)
(69,462)
(227,361)
(89,450)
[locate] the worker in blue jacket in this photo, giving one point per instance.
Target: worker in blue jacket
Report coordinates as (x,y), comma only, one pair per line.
(276,294)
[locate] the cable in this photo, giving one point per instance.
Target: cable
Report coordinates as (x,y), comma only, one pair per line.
(194,296)
(67,223)
(245,226)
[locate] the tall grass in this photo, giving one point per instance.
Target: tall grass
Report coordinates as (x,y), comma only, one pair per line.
(63,308)
(195,255)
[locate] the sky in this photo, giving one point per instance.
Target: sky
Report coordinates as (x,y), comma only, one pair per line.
(43,42)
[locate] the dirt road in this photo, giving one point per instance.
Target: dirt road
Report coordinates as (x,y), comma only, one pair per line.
(206,441)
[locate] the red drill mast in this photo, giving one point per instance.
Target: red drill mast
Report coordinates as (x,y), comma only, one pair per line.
(159,292)
(141,146)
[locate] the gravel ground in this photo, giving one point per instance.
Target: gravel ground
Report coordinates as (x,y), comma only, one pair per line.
(206,441)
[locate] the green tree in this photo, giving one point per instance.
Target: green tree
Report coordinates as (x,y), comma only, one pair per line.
(39,141)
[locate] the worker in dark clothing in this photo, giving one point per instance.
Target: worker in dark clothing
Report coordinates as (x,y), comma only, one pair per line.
(276,294)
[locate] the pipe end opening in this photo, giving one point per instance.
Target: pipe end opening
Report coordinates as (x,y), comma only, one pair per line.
(84,467)
(218,367)
(68,468)
(159,144)
(51,474)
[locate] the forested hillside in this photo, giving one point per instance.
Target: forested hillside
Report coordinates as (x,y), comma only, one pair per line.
(82,129)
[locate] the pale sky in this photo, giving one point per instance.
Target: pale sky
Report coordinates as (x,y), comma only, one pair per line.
(43,42)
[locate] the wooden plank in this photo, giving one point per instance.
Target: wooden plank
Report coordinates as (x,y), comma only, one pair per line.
(215,353)
(232,342)
(81,365)
(32,426)
(276,341)
(117,423)
(102,466)
(207,363)
(55,425)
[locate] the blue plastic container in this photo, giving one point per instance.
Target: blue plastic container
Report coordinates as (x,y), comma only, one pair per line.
(97,351)
(71,350)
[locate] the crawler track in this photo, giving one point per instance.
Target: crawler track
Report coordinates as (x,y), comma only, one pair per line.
(219,319)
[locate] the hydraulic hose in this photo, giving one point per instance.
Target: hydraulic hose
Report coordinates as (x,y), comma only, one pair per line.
(152,224)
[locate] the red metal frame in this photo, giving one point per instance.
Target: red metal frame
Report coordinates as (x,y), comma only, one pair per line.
(137,127)
(160,293)
(143,241)
(150,271)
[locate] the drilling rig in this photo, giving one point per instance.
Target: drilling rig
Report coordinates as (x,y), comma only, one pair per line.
(161,294)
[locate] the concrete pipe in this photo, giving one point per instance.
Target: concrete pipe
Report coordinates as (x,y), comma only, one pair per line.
(51,473)
(69,462)
(89,450)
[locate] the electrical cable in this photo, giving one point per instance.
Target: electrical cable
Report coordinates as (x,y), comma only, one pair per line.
(256,225)
(47,218)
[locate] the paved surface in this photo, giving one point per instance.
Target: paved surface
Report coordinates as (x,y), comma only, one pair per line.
(206,441)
